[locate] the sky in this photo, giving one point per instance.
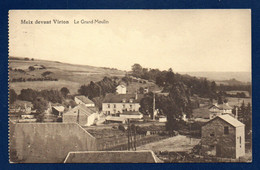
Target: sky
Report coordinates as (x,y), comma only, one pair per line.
(184,40)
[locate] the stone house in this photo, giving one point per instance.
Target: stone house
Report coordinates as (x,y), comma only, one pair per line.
(82,115)
(84,100)
(223,136)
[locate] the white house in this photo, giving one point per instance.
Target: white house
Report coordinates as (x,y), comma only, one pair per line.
(121,89)
(84,100)
(116,104)
(219,109)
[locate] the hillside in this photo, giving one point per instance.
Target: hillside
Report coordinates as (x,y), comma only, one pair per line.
(58,74)
(220,77)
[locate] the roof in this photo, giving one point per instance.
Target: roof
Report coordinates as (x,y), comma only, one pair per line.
(118,98)
(229,119)
(59,108)
(121,85)
(145,156)
(131,113)
(114,118)
(84,99)
(221,107)
(83,109)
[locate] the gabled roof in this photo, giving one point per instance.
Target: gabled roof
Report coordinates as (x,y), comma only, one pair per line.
(121,85)
(84,99)
(59,108)
(118,98)
(82,110)
(221,107)
(145,156)
(229,119)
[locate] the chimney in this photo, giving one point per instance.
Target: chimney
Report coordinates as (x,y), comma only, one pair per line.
(136,96)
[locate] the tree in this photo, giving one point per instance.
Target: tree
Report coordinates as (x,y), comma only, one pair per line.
(31,68)
(28,95)
(170,77)
(12,96)
(40,104)
(137,70)
(64,91)
(141,90)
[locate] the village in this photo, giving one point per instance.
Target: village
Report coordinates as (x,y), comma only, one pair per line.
(213,133)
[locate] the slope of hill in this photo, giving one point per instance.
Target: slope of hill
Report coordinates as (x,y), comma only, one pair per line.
(220,76)
(67,75)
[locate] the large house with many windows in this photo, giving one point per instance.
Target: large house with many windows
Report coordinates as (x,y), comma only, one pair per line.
(114,104)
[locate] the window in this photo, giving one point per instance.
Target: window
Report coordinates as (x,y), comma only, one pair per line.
(131,106)
(123,105)
(240,140)
(212,134)
(114,105)
(226,130)
(108,105)
(124,100)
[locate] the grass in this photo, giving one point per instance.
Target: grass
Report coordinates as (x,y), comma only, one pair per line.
(69,75)
(173,144)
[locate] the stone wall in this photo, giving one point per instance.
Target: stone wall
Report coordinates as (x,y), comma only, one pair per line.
(224,145)
(48,142)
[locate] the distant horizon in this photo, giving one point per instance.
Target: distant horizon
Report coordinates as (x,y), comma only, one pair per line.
(137,63)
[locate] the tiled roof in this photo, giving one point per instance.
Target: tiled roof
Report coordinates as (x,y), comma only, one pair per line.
(82,110)
(85,99)
(118,98)
(145,156)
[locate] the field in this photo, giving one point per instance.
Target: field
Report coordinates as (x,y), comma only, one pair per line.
(68,75)
(173,144)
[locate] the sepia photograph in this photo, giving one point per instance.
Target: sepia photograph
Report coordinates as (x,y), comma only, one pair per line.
(130,86)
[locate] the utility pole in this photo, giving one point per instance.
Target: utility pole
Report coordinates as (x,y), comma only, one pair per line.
(128,134)
(153,105)
(78,117)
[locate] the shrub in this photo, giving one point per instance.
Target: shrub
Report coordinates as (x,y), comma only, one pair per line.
(121,127)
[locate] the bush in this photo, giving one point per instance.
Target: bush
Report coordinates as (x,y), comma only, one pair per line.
(121,127)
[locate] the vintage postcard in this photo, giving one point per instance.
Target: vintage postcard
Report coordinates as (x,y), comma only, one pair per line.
(130,86)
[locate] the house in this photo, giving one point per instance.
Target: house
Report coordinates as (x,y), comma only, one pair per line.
(131,115)
(223,136)
(84,100)
(219,109)
(162,119)
(121,89)
(21,106)
(81,114)
(58,110)
(116,104)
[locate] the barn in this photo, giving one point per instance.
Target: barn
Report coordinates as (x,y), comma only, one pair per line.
(82,115)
